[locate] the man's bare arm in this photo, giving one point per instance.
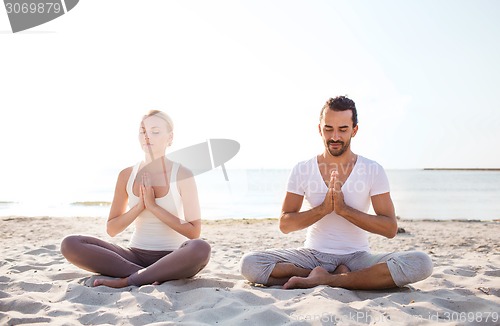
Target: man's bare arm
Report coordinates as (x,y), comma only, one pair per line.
(293,220)
(383,223)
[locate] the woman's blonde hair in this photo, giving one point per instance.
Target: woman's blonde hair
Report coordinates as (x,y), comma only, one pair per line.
(162,115)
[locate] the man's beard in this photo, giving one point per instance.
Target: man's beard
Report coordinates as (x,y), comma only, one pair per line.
(341,150)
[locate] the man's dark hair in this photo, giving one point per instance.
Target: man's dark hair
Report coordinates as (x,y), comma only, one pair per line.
(341,103)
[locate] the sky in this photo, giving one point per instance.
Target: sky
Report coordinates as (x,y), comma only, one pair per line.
(424,75)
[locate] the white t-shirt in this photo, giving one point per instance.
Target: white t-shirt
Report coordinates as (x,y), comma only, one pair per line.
(333,234)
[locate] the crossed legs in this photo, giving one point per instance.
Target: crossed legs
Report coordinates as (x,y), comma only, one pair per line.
(302,268)
(108,259)
(372,278)
(283,272)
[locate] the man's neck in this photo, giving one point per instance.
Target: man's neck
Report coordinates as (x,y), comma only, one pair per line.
(348,157)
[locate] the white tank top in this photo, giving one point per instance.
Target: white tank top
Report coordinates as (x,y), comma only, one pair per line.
(151,233)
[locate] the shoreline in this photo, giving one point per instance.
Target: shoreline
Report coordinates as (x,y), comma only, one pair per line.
(461,169)
(256,219)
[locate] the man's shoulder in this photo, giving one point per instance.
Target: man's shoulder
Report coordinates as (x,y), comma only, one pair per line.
(369,165)
(304,168)
(309,163)
(367,161)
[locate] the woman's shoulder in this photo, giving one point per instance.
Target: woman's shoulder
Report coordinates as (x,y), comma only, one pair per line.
(125,173)
(183,173)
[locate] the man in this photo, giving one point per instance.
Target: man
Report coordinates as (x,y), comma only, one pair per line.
(339,186)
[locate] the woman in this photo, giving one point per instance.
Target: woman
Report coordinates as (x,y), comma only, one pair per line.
(163,204)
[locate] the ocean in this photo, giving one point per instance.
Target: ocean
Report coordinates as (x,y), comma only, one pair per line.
(417,194)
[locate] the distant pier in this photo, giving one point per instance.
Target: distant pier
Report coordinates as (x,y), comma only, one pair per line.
(462,169)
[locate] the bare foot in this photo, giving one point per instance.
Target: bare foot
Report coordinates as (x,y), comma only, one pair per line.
(113,283)
(341,269)
(318,276)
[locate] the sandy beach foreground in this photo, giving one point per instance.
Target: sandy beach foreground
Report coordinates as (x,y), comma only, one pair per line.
(37,285)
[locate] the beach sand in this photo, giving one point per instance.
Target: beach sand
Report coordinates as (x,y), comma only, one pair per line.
(37,285)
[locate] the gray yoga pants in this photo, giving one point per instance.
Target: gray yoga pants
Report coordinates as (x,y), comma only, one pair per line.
(405,267)
(108,259)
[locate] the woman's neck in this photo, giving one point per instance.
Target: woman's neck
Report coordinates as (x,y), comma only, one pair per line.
(150,158)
